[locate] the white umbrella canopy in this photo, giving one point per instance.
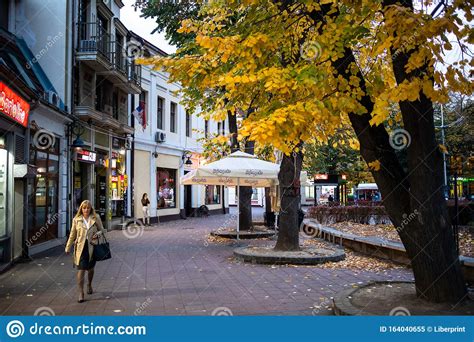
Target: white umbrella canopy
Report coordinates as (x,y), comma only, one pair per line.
(238,169)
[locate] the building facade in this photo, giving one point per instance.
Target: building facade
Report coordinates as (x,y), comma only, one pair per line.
(166,147)
(35,113)
(104,76)
(69,86)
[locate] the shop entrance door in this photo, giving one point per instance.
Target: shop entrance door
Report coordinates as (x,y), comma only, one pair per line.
(188,198)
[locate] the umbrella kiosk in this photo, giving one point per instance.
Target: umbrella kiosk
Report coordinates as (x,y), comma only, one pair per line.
(238,169)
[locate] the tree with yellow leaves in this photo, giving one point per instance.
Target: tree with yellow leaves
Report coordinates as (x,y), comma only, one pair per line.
(302,69)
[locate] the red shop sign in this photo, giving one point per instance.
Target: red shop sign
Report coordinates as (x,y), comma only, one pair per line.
(13,105)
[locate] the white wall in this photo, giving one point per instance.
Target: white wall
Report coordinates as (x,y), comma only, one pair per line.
(169,152)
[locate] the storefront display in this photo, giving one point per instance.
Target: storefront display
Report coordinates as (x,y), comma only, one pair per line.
(166,183)
(213,194)
(101,185)
(117,184)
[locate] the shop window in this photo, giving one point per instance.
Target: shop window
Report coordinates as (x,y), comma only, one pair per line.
(44,196)
(166,192)
(118,183)
(213,194)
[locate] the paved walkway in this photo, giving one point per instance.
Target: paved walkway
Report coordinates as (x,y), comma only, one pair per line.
(171,269)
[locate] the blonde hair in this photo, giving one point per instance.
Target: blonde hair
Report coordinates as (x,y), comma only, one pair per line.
(85,203)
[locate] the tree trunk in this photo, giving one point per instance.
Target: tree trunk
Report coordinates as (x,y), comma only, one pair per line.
(289,178)
(245,215)
(269,215)
(428,236)
(245,192)
(245,197)
(234,143)
(430,241)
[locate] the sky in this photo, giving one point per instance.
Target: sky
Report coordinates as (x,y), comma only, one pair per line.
(143,27)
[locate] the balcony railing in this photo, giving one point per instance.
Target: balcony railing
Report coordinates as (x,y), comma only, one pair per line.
(94,38)
(118,60)
(135,73)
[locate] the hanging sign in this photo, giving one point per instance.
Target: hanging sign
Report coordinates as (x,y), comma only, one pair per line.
(13,106)
(86,156)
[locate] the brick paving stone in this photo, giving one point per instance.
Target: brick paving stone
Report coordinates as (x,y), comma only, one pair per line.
(169,270)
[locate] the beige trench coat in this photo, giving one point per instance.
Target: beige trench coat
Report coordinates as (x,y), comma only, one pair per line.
(79,234)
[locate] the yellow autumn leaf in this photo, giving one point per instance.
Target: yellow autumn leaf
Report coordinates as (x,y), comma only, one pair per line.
(375,165)
(443,149)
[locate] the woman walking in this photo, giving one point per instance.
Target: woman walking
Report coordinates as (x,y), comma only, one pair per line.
(146,210)
(85,231)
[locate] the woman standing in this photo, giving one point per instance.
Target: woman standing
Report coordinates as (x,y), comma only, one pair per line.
(85,231)
(146,210)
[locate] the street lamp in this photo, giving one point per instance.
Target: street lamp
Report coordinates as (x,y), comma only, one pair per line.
(77,130)
(187,155)
(78,144)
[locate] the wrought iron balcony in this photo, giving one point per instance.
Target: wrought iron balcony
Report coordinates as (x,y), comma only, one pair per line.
(93,39)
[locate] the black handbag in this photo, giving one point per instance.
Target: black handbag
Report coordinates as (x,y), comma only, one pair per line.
(102,251)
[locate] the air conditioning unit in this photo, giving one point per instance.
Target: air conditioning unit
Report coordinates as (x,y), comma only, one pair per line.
(160,137)
(88,45)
